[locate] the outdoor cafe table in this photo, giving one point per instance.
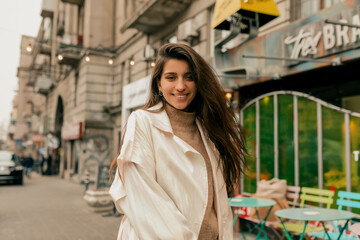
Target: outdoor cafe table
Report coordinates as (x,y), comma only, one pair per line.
(314,214)
(255,203)
(355,228)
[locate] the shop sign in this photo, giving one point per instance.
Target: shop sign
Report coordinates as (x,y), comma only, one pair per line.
(331,37)
(45,126)
(71,131)
(136,93)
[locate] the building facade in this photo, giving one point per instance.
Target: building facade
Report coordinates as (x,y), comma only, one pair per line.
(288,66)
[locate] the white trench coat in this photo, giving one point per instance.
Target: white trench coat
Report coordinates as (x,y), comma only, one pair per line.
(165,187)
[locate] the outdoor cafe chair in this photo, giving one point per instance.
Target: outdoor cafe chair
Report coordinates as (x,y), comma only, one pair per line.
(346,199)
(293,195)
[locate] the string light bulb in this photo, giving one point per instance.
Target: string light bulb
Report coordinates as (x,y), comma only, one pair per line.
(110,61)
(132,62)
(228,95)
(87,58)
(152,64)
(60,57)
(29,48)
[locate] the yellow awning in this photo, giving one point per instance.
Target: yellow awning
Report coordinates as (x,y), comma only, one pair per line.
(266,9)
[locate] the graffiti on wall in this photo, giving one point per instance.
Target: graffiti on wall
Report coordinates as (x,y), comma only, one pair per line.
(97,152)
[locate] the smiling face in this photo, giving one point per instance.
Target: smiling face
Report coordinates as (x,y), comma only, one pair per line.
(177,84)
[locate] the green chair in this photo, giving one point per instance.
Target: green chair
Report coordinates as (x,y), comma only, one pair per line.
(346,199)
(315,195)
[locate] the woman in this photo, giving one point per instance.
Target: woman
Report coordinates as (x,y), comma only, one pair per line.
(181,155)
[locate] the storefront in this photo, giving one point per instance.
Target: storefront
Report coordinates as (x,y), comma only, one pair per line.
(299,98)
(72,135)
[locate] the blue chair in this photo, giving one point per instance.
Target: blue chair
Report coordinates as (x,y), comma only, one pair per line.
(346,199)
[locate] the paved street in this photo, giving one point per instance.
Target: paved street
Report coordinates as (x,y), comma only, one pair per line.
(50,208)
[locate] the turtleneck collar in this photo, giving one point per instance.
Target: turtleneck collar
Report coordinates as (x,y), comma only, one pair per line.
(180,119)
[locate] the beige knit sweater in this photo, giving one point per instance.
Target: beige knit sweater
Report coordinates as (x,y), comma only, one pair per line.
(184,127)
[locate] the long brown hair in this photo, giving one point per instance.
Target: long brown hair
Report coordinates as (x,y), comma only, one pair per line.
(210,107)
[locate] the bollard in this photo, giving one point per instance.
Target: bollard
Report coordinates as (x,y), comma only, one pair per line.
(86,179)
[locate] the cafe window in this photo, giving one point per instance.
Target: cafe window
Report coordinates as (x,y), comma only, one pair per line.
(302,139)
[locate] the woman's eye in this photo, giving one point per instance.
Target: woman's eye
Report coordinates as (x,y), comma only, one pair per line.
(189,78)
(170,77)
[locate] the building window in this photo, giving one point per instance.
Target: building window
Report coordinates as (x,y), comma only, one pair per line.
(306,8)
(329,3)
(80,25)
(171,39)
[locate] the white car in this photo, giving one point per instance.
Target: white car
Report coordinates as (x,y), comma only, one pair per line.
(10,168)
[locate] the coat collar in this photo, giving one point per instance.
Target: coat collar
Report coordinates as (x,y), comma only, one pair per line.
(159,118)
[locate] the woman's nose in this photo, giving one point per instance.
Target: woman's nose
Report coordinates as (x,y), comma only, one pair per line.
(180,85)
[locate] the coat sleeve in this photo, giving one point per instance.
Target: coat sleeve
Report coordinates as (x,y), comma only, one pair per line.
(149,210)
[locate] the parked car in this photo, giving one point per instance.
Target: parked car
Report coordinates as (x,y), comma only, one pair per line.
(10,167)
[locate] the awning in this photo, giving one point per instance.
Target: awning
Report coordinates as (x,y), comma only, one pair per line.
(266,10)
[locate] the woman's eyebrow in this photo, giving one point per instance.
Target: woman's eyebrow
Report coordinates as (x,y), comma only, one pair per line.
(174,73)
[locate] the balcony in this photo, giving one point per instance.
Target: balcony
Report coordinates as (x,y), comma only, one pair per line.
(43,84)
(69,54)
(149,16)
(35,71)
(77,2)
(47,8)
(31,81)
(45,48)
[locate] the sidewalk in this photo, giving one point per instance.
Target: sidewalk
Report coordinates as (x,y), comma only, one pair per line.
(48,207)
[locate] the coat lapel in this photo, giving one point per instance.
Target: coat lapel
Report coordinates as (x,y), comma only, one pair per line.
(219,183)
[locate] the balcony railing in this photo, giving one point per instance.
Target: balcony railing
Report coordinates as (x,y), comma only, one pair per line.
(69,54)
(148,16)
(77,2)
